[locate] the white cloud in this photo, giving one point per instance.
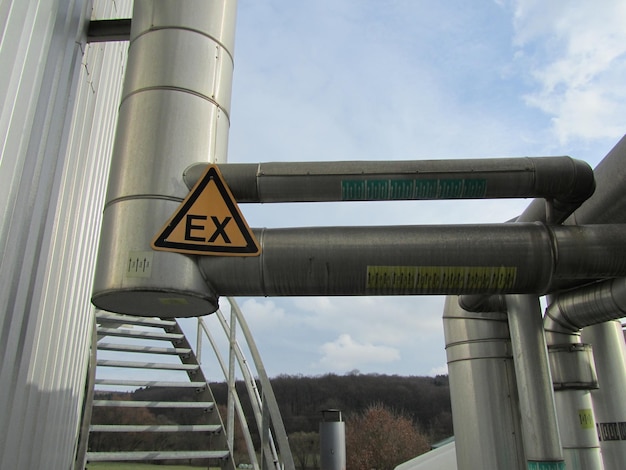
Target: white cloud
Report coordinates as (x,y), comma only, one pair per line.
(345,354)
(391,321)
(576,53)
(291,333)
(262,313)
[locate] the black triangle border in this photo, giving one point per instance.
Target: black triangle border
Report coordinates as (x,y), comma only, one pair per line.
(212,173)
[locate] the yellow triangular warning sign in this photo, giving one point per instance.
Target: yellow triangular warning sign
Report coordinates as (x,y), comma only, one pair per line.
(208,222)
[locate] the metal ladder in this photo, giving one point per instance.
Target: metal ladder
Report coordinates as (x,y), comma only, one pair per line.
(137,342)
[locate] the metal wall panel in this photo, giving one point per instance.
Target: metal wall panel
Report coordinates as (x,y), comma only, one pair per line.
(59,101)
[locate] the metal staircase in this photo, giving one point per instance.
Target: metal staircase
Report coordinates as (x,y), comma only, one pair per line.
(151,353)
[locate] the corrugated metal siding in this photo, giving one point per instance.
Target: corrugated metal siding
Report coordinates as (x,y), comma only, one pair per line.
(59,102)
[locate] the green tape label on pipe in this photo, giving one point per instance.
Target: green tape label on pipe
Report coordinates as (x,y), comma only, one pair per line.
(546,465)
(409,279)
(403,189)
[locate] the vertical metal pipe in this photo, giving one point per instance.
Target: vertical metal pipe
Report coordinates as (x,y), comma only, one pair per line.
(573,377)
(540,432)
(609,405)
(581,450)
(332,441)
(572,365)
(608,204)
(482,389)
(174,112)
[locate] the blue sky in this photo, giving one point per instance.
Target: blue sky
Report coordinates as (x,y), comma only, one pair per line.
(410,79)
(367,79)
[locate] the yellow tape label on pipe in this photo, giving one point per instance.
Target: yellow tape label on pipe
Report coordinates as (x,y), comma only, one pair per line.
(585,417)
(440,278)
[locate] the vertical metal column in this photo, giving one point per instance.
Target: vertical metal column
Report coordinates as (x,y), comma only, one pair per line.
(542,443)
(608,205)
(332,441)
(607,340)
(483,393)
(174,112)
(573,380)
(573,376)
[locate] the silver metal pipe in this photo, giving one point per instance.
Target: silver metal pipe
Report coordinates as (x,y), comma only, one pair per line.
(483,303)
(581,448)
(576,373)
(174,111)
(573,377)
(609,406)
(608,204)
(586,306)
(562,179)
(573,369)
(483,392)
(540,430)
(543,210)
(332,432)
(418,260)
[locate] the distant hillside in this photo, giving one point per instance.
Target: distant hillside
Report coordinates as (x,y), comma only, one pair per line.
(425,400)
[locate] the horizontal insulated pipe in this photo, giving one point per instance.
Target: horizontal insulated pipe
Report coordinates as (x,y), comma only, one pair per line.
(586,306)
(419,260)
(562,179)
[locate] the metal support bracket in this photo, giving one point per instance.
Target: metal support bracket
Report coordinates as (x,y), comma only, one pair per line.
(109,30)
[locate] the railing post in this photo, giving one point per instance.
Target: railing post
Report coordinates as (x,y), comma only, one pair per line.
(230,414)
